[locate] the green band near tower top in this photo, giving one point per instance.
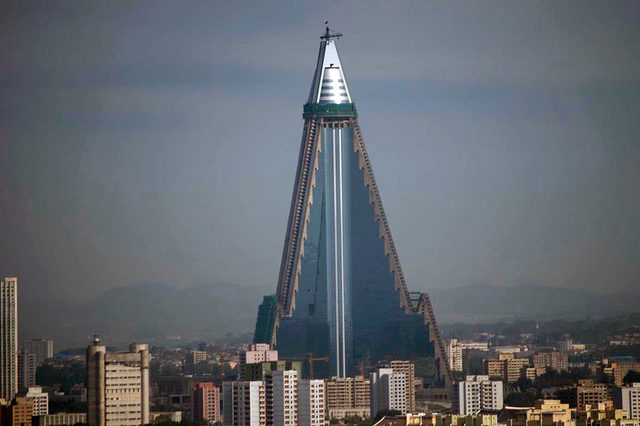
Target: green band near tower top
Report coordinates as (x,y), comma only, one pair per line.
(330,110)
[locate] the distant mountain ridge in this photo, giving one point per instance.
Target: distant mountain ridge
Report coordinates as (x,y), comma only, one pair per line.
(486,303)
(161,314)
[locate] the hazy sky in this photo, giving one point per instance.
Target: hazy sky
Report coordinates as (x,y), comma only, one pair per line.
(157,141)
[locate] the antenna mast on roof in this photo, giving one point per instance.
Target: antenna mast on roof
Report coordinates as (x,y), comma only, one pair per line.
(329,34)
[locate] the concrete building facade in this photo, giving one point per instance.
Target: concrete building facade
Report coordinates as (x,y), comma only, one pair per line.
(388,391)
(117,385)
(205,403)
(347,397)
(628,399)
(453,351)
(477,393)
(311,402)
(256,354)
(245,403)
(8,338)
(40,400)
(26,370)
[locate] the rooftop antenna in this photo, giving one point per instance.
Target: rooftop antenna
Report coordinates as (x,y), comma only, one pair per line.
(329,34)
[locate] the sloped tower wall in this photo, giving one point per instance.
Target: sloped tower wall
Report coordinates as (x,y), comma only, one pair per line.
(341,293)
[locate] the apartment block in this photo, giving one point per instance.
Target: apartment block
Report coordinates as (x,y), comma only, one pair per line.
(40,400)
(26,370)
(453,352)
(513,369)
(628,399)
(256,354)
(205,403)
(494,368)
(245,403)
(347,397)
(117,385)
(388,391)
(558,361)
(311,403)
(476,394)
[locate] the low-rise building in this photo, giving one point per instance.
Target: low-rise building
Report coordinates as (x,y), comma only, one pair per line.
(60,419)
(558,361)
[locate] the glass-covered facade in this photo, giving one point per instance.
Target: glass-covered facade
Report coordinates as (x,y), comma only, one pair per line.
(341,296)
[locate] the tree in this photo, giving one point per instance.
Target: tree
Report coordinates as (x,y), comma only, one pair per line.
(631,377)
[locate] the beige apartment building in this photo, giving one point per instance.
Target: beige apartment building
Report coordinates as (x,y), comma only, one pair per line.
(117,385)
(347,397)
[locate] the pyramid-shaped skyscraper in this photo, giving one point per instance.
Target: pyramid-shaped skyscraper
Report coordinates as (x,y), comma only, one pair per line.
(341,293)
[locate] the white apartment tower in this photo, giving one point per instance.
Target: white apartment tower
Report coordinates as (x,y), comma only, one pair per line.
(26,370)
(8,338)
(388,391)
(40,400)
(628,398)
(244,403)
(311,403)
(477,393)
(282,397)
(453,351)
(117,385)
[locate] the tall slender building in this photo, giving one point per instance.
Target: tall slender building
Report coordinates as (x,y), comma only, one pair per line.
(341,293)
(8,338)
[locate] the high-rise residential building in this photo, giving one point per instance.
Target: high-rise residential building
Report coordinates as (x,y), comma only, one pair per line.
(282,397)
(43,349)
(476,394)
(341,292)
(8,338)
(40,400)
(348,397)
(117,385)
(26,370)
(628,399)
(453,351)
(558,361)
(311,402)
(255,354)
(408,369)
(245,403)
(388,391)
(205,403)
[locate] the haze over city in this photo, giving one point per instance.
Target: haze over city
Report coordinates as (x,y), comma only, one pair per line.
(157,142)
